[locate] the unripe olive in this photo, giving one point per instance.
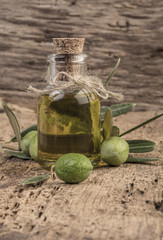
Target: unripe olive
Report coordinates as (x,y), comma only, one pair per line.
(26,141)
(73,167)
(114,151)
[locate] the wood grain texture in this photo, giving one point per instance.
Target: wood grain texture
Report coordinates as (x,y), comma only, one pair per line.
(131,30)
(114,203)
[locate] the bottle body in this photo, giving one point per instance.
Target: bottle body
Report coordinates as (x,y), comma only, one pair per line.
(68,122)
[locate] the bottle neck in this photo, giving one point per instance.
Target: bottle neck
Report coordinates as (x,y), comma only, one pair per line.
(72,64)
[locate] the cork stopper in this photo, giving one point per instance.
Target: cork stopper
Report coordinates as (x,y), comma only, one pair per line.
(68,45)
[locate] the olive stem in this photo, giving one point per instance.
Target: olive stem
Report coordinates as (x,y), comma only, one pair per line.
(52,175)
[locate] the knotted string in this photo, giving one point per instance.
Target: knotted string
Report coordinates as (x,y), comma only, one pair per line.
(71,83)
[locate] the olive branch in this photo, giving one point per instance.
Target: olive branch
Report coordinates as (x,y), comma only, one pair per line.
(107,113)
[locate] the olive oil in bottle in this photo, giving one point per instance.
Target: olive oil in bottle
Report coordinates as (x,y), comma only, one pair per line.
(68,123)
(68,118)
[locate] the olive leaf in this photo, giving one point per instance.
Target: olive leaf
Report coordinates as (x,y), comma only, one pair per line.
(112,73)
(141,160)
(142,124)
(17,154)
(35,180)
(117,109)
(107,124)
(14,122)
(141,146)
(115,131)
(25,131)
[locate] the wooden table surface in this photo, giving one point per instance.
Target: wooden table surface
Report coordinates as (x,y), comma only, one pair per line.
(116,203)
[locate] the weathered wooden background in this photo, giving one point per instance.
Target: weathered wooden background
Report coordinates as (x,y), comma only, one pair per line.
(131,30)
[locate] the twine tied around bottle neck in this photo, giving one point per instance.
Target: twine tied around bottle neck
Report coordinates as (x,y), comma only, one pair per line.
(66,82)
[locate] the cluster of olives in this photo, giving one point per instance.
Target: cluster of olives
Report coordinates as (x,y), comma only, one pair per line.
(75,167)
(29,144)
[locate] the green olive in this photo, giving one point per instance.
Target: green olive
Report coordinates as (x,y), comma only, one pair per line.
(114,151)
(26,141)
(73,167)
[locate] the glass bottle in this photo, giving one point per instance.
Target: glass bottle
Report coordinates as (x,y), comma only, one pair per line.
(68,121)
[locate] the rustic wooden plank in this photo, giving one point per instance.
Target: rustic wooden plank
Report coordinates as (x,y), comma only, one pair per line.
(130,29)
(113,203)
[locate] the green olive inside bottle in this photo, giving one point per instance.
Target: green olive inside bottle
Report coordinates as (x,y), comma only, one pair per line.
(68,117)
